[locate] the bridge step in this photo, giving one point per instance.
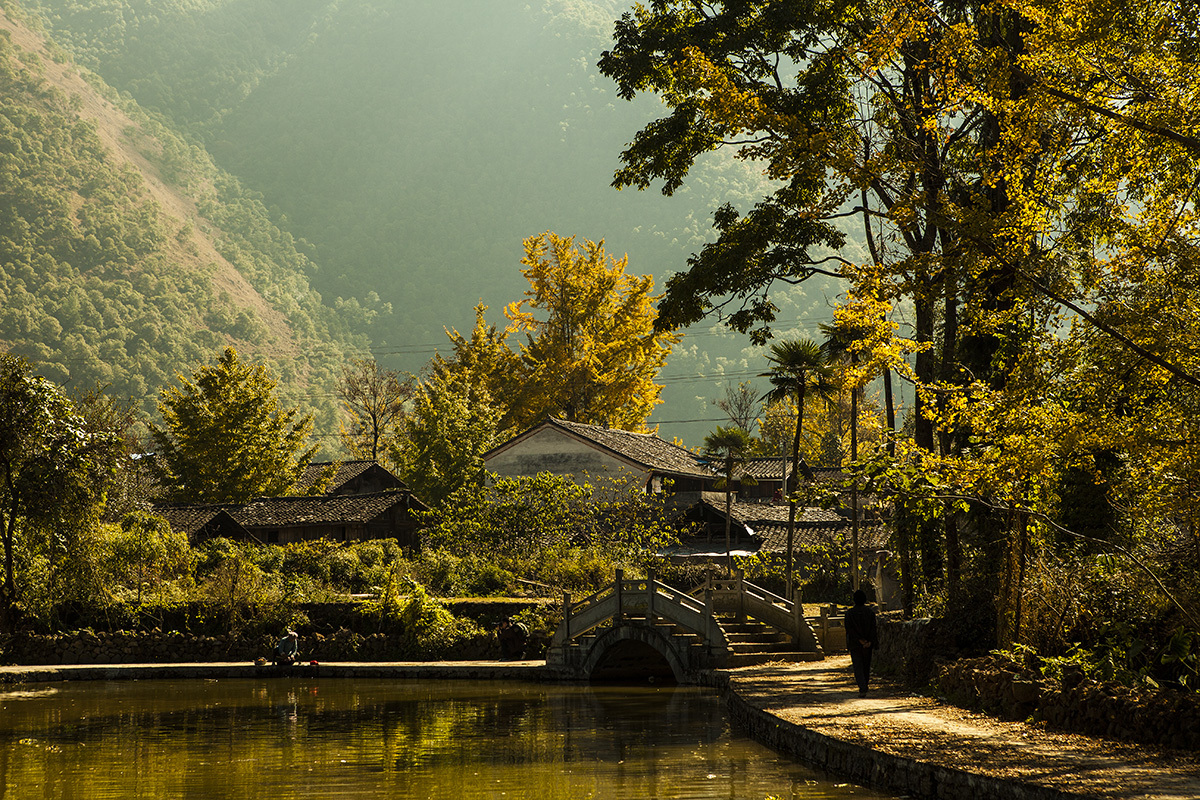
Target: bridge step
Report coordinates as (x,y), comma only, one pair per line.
(752,642)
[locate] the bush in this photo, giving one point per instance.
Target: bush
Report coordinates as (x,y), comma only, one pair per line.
(428,629)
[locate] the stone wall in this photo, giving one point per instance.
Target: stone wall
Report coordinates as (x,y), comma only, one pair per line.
(911,651)
(198,633)
(1017,689)
(157,647)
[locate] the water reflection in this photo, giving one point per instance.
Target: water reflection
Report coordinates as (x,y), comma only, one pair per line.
(393,739)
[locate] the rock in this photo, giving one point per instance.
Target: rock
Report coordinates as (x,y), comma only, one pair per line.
(1024,692)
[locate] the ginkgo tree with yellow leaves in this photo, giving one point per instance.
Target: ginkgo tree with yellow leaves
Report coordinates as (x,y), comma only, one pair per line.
(591,353)
(586,350)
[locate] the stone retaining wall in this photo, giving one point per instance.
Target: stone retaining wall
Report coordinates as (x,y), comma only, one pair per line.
(911,651)
(136,647)
(199,633)
(1018,690)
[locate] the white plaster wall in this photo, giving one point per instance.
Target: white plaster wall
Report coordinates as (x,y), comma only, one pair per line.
(550,451)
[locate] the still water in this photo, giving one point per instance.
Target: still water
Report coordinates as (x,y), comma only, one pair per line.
(345,738)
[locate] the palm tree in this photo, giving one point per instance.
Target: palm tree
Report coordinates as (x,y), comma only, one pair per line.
(730,446)
(798,368)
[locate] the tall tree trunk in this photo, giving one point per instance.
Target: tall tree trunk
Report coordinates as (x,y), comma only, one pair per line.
(791,529)
(728,521)
(854,577)
(9,532)
(926,370)
(1022,555)
(948,371)
(953,563)
(902,526)
(889,406)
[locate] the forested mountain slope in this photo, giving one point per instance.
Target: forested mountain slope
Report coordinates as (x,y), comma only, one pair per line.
(413,143)
(111,274)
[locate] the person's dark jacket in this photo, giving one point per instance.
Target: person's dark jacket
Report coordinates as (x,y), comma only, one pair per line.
(860,625)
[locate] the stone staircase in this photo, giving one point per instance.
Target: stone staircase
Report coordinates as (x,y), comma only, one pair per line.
(752,642)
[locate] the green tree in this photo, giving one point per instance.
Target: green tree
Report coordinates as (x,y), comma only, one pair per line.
(798,369)
(842,344)
(730,447)
(742,405)
(484,361)
(553,529)
(53,469)
(453,422)
(144,551)
(225,437)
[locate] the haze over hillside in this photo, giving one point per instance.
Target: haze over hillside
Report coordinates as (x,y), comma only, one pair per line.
(111,276)
(411,146)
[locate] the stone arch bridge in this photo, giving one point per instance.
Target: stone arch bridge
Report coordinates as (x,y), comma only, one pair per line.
(645,629)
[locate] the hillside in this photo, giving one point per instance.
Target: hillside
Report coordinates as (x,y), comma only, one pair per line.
(111,274)
(414,144)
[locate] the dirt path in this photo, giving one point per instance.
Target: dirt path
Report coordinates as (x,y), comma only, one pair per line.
(821,697)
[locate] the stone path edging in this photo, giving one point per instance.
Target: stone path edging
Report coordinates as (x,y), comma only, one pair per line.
(872,768)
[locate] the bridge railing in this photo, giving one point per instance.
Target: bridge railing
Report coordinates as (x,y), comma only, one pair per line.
(647,599)
(745,599)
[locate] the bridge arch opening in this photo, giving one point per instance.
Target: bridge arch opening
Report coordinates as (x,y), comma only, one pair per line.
(632,661)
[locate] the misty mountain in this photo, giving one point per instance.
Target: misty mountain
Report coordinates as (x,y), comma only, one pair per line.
(112,276)
(410,146)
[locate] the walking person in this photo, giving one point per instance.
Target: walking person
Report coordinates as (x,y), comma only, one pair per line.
(861,639)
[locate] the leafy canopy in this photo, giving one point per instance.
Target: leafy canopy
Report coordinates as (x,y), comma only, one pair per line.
(595,354)
(453,422)
(54,468)
(555,530)
(225,437)
(374,403)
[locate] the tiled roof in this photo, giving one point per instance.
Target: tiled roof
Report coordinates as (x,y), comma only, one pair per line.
(645,449)
(810,534)
(765,513)
(274,512)
(814,526)
(769,469)
(828,475)
(189,520)
(317,510)
(346,472)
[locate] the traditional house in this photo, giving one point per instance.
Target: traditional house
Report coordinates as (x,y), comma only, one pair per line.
(202,522)
(341,518)
(768,475)
(761,528)
(362,501)
(279,520)
(573,448)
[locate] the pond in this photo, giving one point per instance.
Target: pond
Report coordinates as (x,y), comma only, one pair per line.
(292,738)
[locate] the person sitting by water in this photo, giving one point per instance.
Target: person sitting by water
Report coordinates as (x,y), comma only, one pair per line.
(288,649)
(513,636)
